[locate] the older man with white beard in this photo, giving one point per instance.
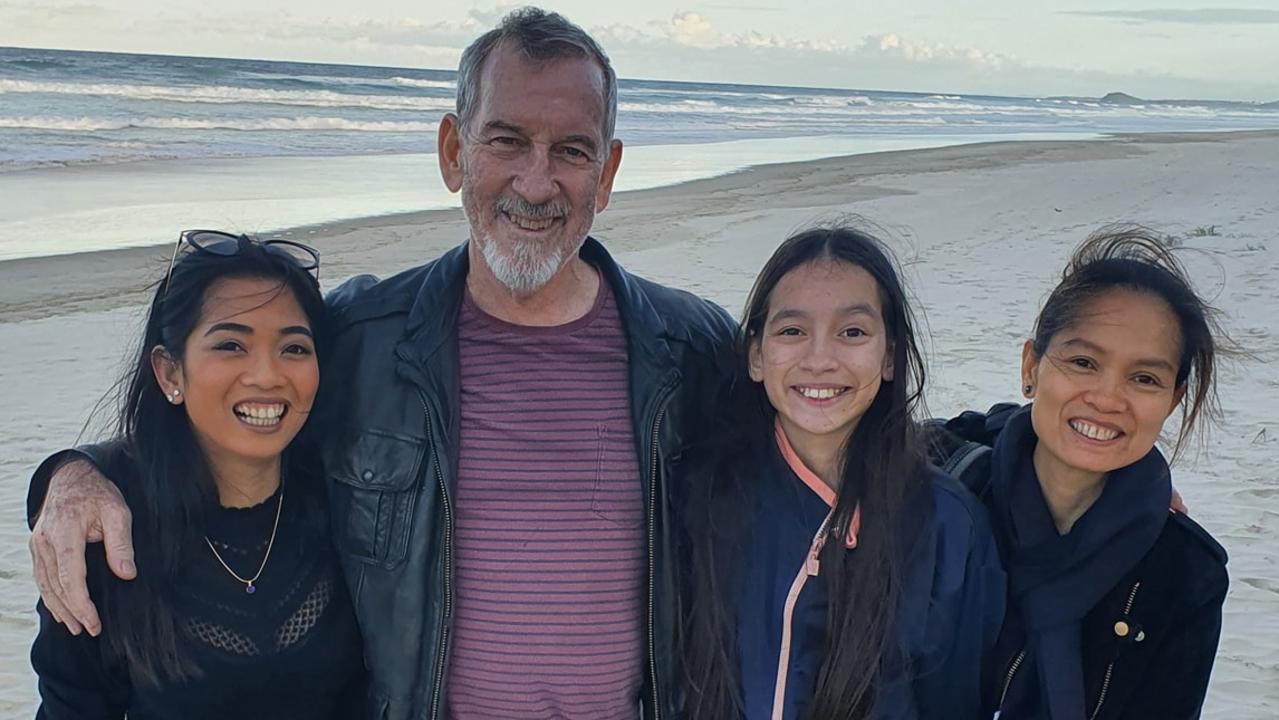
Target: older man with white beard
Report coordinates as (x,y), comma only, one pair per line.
(501,424)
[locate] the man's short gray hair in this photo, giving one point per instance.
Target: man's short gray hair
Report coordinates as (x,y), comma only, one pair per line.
(540,36)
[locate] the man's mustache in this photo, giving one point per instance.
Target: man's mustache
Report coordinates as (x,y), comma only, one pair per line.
(524,208)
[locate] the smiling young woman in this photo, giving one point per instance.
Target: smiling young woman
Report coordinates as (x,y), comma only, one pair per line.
(247,379)
(1102,390)
(1115,603)
(239,607)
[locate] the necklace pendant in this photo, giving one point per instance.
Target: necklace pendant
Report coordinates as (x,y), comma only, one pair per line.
(248,588)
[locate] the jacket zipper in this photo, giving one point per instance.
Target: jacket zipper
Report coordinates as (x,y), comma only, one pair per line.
(1105,683)
(1008,681)
(810,568)
(652,564)
(442,655)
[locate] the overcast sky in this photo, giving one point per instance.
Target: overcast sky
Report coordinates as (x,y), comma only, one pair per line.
(1149,48)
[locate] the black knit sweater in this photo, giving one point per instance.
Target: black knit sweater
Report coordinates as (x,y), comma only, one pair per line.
(289,650)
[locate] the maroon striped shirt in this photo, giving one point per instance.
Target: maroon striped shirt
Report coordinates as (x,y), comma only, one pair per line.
(550,547)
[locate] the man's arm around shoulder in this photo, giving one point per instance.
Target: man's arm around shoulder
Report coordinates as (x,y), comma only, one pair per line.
(71,503)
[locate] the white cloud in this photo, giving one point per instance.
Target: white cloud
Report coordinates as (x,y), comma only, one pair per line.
(891,45)
(690,30)
(617,34)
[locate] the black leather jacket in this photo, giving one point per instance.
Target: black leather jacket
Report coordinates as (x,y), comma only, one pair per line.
(1147,648)
(391,452)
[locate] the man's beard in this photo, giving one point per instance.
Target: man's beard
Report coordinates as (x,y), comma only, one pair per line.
(527,265)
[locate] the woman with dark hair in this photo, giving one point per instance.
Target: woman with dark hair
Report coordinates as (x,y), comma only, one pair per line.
(239,608)
(1114,601)
(831,573)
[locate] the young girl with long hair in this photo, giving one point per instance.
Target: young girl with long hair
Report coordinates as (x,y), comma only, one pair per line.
(239,608)
(831,572)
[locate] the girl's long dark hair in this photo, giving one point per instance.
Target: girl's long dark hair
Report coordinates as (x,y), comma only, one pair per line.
(882,473)
(169,487)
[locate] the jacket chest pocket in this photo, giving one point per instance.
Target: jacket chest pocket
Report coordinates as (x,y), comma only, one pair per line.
(374,492)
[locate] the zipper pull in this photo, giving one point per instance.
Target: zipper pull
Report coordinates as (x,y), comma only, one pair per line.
(812,565)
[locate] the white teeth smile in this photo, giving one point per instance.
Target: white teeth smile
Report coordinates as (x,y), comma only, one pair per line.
(260,415)
(820,393)
(1089,430)
(528,223)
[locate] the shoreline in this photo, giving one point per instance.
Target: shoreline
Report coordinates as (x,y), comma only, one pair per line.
(111,278)
(121,205)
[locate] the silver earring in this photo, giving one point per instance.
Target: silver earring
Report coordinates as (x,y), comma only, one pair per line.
(173,396)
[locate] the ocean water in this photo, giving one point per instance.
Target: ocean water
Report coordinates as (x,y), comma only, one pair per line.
(103,150)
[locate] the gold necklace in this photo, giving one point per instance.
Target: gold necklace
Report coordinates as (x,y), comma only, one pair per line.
(248,584)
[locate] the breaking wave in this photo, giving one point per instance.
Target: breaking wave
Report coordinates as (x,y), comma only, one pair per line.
(224,94)
(90,124)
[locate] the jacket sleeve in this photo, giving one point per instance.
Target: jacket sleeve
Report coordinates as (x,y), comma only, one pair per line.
(108,457)
(76,681)
(964,618)
(1176,681)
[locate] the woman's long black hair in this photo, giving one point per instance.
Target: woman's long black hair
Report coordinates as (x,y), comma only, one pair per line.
(170,488)
(882,473)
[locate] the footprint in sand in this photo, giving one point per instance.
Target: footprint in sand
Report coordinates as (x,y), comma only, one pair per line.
(1269,586)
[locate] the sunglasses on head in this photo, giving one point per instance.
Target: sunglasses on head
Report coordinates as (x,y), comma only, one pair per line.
(226,245)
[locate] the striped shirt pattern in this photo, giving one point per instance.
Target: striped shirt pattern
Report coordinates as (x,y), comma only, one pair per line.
(549,551)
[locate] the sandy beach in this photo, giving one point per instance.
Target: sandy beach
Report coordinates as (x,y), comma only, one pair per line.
(983,230)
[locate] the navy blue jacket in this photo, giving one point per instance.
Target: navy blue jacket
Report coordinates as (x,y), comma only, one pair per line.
(951,607)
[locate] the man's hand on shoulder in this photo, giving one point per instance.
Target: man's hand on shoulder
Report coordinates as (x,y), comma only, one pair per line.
(81,506)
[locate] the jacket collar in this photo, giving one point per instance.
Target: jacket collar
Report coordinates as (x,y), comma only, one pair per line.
(433,317)
(645,327)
